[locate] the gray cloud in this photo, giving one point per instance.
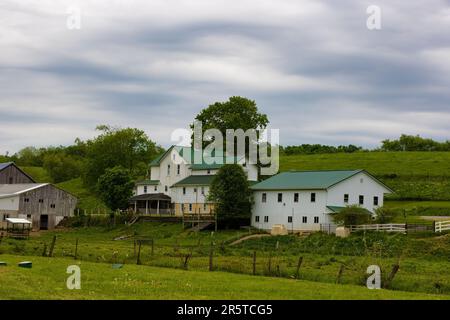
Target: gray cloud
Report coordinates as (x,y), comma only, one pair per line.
(312,66)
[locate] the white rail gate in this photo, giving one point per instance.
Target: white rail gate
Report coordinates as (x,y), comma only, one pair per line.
(440,226)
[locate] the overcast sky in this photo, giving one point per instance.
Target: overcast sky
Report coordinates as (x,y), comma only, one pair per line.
(312,66)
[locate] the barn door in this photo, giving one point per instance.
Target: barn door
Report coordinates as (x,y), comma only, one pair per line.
(44,222)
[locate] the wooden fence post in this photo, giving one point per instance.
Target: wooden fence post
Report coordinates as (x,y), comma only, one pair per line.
(44,252)
(52,247)
(76,249)
(134,248)
(391,276)
(254,262)
(339,276)
(299,264)
(138,260)
(211,252)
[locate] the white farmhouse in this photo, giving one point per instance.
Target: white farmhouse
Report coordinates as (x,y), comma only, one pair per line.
(179,184)
(303,200)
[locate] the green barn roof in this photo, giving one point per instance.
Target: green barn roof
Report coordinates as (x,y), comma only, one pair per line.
(195,181)
(305,180)
(190,155)
(148,182)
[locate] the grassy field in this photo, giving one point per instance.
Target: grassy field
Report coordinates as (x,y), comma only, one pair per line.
(423,259)
(86,199)
(47,280)
(38,173)
(412,175)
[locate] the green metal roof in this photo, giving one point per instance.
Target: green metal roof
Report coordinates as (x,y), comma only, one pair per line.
(335,209)
(148,182)
(195,181)
(190,155)
(305,180)
(156,162)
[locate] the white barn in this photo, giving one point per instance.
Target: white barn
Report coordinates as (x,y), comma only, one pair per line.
(303,200)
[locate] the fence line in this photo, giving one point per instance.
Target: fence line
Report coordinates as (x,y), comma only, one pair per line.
(391,227)
(440,226)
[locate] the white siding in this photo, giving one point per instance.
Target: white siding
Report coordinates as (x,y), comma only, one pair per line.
(360,184)
(10,203)
(278,213)
(191,196)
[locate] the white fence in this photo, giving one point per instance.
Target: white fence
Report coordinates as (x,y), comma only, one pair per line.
(440,226)
(391,227)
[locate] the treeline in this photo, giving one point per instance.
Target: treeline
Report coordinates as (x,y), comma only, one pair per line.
(404,143)
(414,143)
(128,148)
(318,149)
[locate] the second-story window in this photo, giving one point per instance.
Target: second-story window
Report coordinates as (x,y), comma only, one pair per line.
(313,197)
(168,169)
(375,201)
(145,189)
(346,198)
(264,197)
(184,190)
(280,197)
(295,197)
(178,169)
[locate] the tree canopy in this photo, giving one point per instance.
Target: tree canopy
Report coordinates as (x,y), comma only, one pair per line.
(115,187)
(351,215)
(232,196)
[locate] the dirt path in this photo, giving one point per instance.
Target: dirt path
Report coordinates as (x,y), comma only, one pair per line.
(253,236)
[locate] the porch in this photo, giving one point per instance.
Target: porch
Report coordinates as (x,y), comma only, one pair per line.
(152,204)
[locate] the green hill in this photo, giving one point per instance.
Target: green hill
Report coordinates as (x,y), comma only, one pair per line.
(38,173)
(86,199)
(413,175)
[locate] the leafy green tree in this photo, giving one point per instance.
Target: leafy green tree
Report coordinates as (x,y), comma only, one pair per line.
(236,113)
(129,148)
(232,196)
(115,187)
(352,215)
(62,167)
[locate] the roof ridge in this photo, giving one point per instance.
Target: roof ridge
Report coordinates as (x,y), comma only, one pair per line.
(327,170)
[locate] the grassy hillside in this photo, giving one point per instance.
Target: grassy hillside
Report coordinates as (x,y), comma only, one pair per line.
(413,175)
(47,280)
(86,200)
(38,173)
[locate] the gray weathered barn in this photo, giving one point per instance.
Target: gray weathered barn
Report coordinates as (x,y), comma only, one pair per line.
(42,203)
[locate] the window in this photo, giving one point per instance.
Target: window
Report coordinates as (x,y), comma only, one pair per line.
(203,190)
(313,197)
(264,197)
(190,206)
(289,219)
(178,169)
(53,206)
(208,172)
(145,189)
(11,180)
(295,197)
(156,188)
(346,198)
(26,200)
(5,216)
(168,169)
(375,201)
(256,218)
(184,190)
(316,219)
(266,218)
(41,200)
(28,216)
(166,188)
(280,197)
(182,207)
(361,200)
(304,219)
(195,190)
